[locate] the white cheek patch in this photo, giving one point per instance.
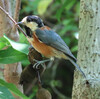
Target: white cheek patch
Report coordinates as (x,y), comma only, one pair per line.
(32,25)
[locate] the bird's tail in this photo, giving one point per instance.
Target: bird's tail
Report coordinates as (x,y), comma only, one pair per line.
(76,65)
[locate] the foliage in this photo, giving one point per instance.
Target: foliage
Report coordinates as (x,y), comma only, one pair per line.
(4,93)
(15,51)
(12,88)
(18,46)
(43,4)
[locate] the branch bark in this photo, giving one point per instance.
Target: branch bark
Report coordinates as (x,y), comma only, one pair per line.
(88,51)
(16,15)
(13,20)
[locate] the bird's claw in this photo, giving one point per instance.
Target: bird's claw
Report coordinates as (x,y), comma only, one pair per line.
(36,65)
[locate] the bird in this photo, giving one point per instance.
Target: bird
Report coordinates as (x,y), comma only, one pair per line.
(46,41)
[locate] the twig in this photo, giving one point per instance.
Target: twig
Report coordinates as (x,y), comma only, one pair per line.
(16,14)
(30,86)
(59,93)
(13,21)
(17,9)
(56,91)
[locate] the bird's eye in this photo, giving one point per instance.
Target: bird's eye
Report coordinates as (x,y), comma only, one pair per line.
(29,19)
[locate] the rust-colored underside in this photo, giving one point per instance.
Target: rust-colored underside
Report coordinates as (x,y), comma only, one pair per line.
(47,51)
(44,49)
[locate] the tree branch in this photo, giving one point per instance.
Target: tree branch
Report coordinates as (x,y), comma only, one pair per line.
(17,9)
(2,3)
(16,14)
(13,21)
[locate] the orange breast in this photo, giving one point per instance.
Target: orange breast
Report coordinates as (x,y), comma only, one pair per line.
(44,49)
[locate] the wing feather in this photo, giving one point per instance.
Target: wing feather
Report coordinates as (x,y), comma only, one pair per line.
(51,38)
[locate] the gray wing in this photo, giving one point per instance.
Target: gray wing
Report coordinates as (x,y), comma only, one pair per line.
(51,38)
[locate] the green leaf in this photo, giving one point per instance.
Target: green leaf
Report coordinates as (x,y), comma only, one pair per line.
(70,5)
(2,39)
(12,88)
(23,39)
(42,6)
(18,46)
(2,45)
(66,22)
(59,12)
(11,55)
(5,93)
(58,1)
(77,7)
(75,48)
(56,83)
(25,62)
(67,40)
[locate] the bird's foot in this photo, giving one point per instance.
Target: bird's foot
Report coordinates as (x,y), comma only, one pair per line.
(36,65)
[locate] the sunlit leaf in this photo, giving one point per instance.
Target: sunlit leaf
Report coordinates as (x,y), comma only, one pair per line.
(3,42)
(18,46)
(66,22)
(70,4)
(12,88)
(23,39)
(42,6)
(11,55)
(2,45)
(2,39)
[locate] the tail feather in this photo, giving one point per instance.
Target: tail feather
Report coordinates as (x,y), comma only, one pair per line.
(76,65)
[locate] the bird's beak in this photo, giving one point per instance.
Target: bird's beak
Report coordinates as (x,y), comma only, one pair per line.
(19,23)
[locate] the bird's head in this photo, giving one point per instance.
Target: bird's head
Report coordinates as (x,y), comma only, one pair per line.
(33,22)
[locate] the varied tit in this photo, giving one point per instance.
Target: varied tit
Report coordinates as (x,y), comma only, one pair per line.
(46,41)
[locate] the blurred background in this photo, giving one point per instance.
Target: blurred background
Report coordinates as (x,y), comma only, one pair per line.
(63,17)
